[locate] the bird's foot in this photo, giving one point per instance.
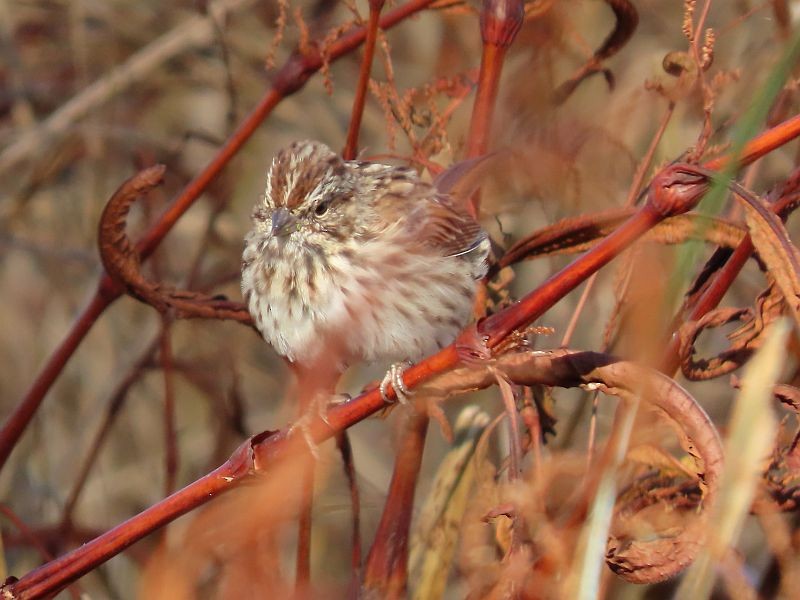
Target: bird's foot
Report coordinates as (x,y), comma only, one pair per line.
(394,376)
(318,409)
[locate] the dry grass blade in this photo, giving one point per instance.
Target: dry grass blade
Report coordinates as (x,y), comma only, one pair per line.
(752,433)
(436,533)
(583,582)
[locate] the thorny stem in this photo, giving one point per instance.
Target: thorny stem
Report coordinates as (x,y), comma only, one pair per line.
(290,78)
(351,146)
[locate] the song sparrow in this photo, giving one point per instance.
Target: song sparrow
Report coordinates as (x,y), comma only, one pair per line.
(356,261)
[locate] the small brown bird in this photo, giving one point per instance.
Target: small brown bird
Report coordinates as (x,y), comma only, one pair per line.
(352,261)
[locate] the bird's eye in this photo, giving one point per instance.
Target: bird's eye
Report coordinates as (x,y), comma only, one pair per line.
(322,208)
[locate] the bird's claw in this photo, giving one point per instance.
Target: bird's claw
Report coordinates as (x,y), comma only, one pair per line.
(394,376)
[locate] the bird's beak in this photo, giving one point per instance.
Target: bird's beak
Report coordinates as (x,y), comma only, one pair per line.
(282,221)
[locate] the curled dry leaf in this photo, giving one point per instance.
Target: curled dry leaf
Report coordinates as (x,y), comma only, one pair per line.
(750,436)
(636,560)
(123,264)
(726,361)
(744,340)
(781,490)
(769,236)
(775,248)
(627,19)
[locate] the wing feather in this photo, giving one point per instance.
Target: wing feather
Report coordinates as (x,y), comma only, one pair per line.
(431,217)
(446,228)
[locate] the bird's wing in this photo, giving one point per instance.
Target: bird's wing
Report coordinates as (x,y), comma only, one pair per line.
(429,216)
(437,223)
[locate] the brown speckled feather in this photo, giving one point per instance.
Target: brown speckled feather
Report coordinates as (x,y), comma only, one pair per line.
(444,227)
(435,219)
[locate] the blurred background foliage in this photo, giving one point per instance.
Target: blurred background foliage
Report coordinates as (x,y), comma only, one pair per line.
(579,157)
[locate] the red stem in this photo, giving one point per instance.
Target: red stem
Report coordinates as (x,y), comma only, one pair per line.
(54,575)
(351,146)
(500,22)
(709,300)
(387,564)
(485,98)
(761,145)
(718,287)
(558,285)
(260,452)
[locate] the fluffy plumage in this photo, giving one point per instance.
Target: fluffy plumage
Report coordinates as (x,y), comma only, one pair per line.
(351,260)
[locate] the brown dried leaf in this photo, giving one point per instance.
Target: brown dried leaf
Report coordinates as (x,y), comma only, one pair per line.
(648,454)
(433,542)
(777,251)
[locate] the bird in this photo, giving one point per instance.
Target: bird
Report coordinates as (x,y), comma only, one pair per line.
(351,261)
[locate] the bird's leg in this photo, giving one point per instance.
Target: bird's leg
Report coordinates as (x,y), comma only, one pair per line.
(315,393)
(394,376)
(318,407)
